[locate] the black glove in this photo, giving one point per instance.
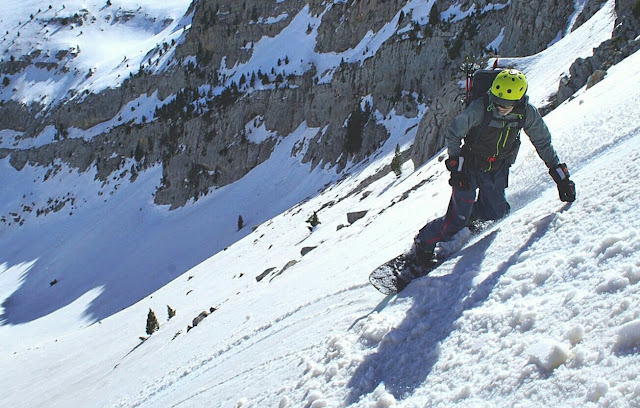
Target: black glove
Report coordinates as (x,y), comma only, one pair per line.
(566,187)
(458,178)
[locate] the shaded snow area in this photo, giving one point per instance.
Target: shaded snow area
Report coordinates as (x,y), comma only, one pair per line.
(539,310)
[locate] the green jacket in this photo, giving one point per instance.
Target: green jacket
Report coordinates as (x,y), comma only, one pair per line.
(500,140)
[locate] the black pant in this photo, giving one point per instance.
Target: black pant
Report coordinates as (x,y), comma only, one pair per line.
(491,204)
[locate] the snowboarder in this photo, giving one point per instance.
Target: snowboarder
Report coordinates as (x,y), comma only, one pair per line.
(490,127)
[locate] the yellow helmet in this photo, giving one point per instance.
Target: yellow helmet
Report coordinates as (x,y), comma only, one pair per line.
(509,86)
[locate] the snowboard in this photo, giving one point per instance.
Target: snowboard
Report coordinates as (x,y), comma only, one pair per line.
(394,275)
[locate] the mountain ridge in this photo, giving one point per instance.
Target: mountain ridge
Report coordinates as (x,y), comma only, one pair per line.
(197,130)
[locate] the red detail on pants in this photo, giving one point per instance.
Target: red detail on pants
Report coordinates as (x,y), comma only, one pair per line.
(448,221)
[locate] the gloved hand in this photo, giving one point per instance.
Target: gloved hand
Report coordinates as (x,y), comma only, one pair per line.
(458,178)
(566,187)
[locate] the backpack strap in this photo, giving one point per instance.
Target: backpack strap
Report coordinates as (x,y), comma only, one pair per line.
(475,132)
(486,119)
(488,115)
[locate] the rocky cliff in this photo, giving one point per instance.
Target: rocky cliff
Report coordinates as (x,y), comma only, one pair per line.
(210,102)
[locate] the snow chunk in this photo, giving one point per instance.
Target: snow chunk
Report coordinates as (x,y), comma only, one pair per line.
(386,401)
(463,393)
(319,404)
(632,272)
(284,402)
(376,327)
(612,285)
(541,277)
(313,368)
(614,245)
(548,355)
(628,336)
(314,398)
(597,391)
(383,398)
(338,348)
(575,335)
(523,320)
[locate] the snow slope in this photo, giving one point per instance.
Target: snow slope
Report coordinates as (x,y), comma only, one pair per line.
(539,310)
(98,44)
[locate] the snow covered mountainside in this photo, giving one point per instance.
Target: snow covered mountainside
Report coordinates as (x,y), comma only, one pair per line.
(205,90)
(85,47)
(539,310)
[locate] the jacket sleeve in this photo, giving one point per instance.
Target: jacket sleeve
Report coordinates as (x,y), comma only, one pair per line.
(540,136)
(462,124)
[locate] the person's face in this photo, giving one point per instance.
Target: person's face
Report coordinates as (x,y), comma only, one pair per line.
(502,109)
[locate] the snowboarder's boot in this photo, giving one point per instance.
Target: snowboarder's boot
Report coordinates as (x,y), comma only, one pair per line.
(424,258)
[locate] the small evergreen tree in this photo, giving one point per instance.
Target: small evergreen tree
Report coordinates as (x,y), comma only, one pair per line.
(170,312)
(279,79)
(138,155)
(152,322)
(240,222)
(355,128)
(313,221)
(434,15)
(396,162)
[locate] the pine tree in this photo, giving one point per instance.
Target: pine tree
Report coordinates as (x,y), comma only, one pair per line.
(138,155)
(434,15)
(355,128)
(396,162)
(152,322)
(313,221)
(170,312)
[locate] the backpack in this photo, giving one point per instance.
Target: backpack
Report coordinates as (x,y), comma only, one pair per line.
(479,82)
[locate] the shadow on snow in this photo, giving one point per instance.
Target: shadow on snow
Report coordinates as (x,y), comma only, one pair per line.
(408,353)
